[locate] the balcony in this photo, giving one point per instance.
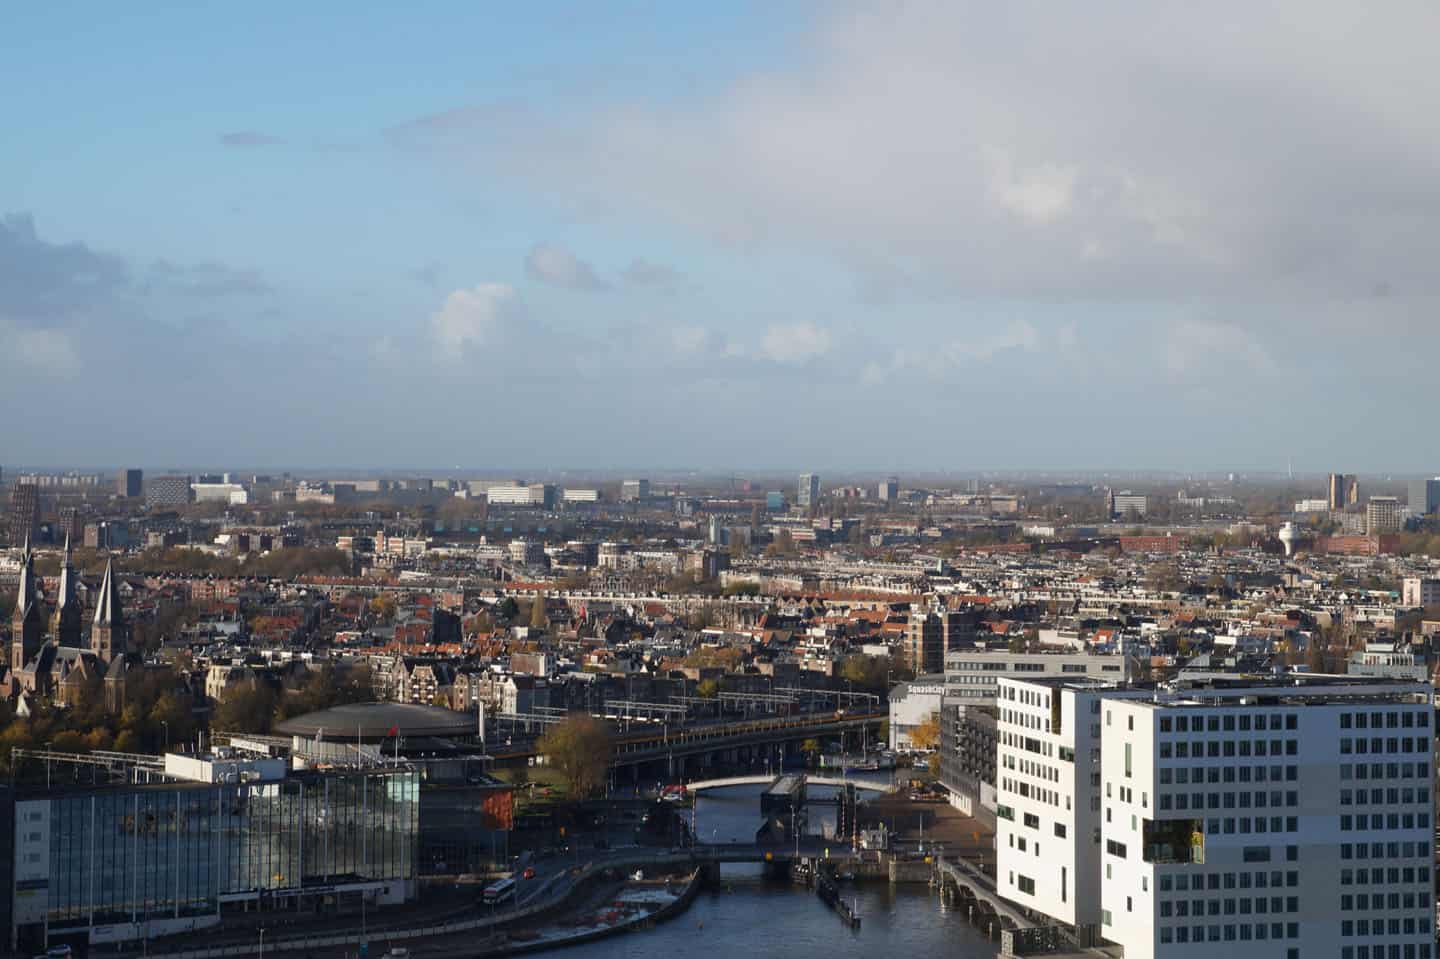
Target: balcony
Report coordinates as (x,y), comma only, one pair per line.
(1174,841)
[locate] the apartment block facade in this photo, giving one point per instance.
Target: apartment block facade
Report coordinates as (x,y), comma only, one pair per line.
(1281,818)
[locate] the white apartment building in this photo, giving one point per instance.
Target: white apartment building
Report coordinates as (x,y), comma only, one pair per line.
(574,495)
(972,676)
(534,494)
(1286,818)
(1420,591)
(1047,795)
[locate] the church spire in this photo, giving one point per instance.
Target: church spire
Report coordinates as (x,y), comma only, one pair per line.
(67,579)
(109,636)
(29,586)
(69,617)
(107,606)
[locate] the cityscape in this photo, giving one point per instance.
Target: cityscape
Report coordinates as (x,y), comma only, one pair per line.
(238,696)
(935,479)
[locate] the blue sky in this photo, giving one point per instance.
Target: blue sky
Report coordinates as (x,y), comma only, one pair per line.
(929,236)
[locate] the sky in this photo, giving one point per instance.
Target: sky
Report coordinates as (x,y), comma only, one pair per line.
(876,236)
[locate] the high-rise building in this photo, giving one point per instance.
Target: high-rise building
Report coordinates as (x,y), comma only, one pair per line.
(1382,515)
(1337,491)
(1126,503)
(23,516)
(807,493)
(924,643)
(130,483)
(1420,591)
(167,491)
(1424,496)
(514,494)
(1252,818)
(889,489)
(775,500)
(634,490)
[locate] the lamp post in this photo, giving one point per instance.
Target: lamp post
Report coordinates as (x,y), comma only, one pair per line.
(167,734)
(262,942)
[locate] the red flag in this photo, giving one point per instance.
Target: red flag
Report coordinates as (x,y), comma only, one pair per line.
(394,731)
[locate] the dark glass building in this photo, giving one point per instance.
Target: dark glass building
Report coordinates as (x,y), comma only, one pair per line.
(120,863)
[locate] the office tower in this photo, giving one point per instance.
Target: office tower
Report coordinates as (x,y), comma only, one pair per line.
(1126,503)
(167,491)
(1382,515)
(1424,496)
(1352,491)
(775,500)
(1288,817)
(72,523)
(807,493)
(634,490)
(130,483)
(889,489)
(23,515)
(540,495)
(1337,491)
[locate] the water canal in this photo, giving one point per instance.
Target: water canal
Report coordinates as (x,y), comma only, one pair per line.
(752,917)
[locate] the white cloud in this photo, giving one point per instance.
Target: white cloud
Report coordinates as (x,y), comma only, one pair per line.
(946,356)
(794,342)
(47,351)
(1040,194)
(1027,149)
(472,317)
(557,266)
(1203,350)
(689,339)
(1017,335)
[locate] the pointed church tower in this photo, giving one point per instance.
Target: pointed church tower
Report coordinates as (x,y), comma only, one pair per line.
(69,617)
(27,626)
(109,633)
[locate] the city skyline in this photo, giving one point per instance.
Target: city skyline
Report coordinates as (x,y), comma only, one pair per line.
(592,235)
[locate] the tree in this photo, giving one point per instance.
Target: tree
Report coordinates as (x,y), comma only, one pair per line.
(811,748)
(708,689)
(383,606)
(926,735)
(873,673)
(784,545)
(249,708)
(579,750)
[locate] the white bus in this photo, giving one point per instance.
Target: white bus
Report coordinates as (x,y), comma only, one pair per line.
(499,890)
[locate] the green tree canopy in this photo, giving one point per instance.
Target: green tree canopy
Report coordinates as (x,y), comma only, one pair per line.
(579,750)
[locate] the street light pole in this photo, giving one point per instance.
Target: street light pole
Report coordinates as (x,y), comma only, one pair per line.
(262,942)
(167,734)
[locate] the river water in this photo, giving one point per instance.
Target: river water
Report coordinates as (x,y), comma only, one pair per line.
(752,917)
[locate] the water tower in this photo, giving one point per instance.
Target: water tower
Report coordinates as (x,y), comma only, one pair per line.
(1288,535)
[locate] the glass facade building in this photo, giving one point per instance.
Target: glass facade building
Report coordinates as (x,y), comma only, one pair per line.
(145,853)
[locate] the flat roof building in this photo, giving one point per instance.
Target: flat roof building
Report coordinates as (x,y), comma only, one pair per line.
(1254,816)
